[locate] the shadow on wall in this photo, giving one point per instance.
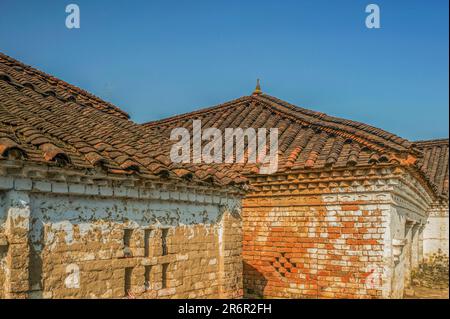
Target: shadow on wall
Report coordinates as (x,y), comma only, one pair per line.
(254,282)
(35,273)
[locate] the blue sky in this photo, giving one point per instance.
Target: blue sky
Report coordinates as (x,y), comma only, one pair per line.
(159,58)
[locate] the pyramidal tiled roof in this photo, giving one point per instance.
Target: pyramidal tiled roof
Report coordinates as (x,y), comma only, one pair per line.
(307,139)
(434,162)
(310,140)
(46,120)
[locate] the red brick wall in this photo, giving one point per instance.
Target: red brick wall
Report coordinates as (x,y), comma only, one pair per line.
(311,250)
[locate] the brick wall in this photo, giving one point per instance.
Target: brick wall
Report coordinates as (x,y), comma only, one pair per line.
(159,244)
(302,242)
(312,251)
(303,237)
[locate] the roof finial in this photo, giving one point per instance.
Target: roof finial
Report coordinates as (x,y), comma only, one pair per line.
(257,90)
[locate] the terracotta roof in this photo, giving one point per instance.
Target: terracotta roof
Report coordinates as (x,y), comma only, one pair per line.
(46,120)
(435,162)
(307,139)
(47,85)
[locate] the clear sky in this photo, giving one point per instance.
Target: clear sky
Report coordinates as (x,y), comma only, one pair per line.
(159,58)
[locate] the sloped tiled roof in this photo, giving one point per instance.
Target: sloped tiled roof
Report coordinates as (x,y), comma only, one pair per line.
(47,85)
(307,139)
(46,120)
(435,161)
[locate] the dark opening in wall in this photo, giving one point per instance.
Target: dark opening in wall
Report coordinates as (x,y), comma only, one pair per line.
(164,233)
(128,277)
(147,236)
(147,274)
(127,233)
(165,267)
(127,237)
(3,250)
(34,272)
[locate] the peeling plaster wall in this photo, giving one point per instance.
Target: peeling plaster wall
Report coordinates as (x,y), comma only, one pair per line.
(92,246)
(2,212)
(402,248)
(435,234)
(3,243)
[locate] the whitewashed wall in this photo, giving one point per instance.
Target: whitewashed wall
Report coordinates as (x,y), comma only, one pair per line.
(49,227)
(435,234)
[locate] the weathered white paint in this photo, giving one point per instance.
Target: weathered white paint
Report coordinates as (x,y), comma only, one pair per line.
(436,232)
(17,210)
(72,280)
(55,213)
(404,212)
(58,215)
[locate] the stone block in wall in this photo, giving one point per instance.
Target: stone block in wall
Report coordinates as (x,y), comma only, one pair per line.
(22,184)
(6,182)
(92,190)
(42,186)
(60,188)
(106,191)
(77,188)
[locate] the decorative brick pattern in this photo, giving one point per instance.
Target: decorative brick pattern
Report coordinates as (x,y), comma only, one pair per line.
(311,251)
(331,243)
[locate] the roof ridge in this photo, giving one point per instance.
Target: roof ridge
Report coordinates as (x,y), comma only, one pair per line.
(433,141)
(434,162)
(374,135)
(200,111)
(46,77)
(368,144)
(46,121)
(320,116)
